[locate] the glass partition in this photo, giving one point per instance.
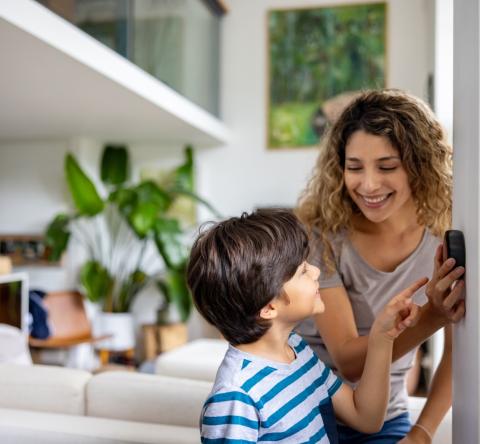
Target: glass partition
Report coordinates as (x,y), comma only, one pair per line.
(176,41)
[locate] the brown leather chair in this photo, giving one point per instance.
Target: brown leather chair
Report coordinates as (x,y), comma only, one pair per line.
(68,322)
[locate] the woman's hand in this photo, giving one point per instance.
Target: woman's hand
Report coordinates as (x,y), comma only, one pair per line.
(399,313)
(444,297)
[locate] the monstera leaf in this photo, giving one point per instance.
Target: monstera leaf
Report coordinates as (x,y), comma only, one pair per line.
(168,240)
(115,165)
(83,191)
(57,236)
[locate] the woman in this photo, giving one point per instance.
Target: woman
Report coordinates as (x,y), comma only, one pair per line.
(380,200)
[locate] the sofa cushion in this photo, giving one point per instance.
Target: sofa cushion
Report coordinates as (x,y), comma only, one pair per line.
(147,398)
(26,427)
(198,359)
(43,388)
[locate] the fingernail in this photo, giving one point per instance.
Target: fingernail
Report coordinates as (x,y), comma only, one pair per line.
(450,261)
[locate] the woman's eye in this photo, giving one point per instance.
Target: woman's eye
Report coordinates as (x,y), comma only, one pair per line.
(353,168)
(388,168)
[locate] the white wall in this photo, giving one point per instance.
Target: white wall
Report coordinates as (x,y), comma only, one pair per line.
(32,187)
(244,175)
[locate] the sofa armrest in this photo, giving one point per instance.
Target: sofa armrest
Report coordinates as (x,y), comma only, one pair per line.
(147,398)
(43,388)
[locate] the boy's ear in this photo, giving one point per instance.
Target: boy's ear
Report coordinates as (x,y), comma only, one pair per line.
(269,311)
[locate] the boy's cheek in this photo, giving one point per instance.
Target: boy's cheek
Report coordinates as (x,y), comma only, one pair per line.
(319,307)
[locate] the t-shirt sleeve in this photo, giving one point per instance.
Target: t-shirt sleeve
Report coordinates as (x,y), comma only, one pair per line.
(331,380)
(229,415)
(328,278)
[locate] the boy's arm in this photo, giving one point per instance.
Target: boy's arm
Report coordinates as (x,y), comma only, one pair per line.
(348,349)
(364,408)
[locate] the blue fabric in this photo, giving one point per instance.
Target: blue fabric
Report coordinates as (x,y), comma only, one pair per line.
(329,420)
(39,327)
(392,432)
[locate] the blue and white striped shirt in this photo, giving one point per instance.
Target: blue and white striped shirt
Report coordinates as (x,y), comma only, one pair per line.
(256,400)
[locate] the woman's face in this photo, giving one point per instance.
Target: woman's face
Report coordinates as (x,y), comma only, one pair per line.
(375,178)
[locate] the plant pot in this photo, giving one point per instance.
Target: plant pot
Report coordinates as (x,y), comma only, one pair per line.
(120,326)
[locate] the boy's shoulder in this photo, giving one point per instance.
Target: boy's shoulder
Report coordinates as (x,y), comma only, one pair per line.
(240,371)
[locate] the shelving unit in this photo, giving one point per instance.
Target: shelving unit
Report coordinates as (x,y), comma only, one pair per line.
(56,82)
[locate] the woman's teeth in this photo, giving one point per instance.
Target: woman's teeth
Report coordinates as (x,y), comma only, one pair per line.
(375,200)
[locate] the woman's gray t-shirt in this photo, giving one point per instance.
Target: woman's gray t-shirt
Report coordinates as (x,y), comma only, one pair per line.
(369,290)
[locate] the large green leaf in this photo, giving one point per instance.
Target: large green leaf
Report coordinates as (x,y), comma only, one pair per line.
(168,236)
(97,281)
(149,191)
(115,165)
(174,288)
(57,236)
(125,198)
(142,218)
(84,193)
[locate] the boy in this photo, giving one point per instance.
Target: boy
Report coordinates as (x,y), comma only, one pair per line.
(249,278)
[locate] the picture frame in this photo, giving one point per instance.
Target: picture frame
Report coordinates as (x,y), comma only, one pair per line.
(318,59)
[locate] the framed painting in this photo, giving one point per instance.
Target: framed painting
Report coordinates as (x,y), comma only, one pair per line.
(317,59)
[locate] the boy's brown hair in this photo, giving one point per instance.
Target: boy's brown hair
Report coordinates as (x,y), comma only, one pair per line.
(238,266)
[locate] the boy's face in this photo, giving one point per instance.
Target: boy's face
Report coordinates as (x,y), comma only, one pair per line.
(303,294)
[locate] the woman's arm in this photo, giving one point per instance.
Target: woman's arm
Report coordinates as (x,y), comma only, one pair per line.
(439,397)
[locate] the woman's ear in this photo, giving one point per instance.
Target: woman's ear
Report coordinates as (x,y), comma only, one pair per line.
(269,311)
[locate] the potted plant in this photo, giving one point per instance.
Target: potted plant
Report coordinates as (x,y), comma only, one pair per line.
(118,226)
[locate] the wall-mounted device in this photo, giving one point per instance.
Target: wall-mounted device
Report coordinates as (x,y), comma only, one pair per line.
(454,246)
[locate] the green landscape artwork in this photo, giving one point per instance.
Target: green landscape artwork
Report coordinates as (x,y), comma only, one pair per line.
(318,58)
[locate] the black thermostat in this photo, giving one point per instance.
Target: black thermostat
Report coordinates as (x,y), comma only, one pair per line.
(454,246)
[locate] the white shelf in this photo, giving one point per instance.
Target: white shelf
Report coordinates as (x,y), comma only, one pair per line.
(58,82)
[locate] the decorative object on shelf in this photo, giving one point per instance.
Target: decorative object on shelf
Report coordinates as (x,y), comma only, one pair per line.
(127,230)
(24,249)
(317,54)
(5,265)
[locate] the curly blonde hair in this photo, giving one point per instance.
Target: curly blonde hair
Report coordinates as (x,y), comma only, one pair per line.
(411,127)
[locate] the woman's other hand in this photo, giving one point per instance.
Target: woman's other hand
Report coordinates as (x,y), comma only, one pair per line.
(444,291)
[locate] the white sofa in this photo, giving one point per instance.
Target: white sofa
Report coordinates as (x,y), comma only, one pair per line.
(200,359)
(50,405)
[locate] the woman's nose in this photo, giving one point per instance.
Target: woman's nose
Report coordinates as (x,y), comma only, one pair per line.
(370,182)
